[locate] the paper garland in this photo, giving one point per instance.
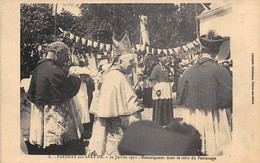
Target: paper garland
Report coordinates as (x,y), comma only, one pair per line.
(77,39)
(185,48)
(108,46)
(171,51)
(137,47)
(95,44)
(71,36)
(83,41)
(159,51)
(101,46)
(89,43)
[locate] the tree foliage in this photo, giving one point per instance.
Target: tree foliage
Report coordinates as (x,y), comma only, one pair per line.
(37,23)
(37,28)
(169,25)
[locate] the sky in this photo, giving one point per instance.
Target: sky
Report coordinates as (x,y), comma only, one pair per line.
(71,7)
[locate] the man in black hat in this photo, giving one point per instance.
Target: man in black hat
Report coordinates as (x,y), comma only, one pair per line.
(205,96)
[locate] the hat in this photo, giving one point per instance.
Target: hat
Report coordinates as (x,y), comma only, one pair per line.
(211,41)
(150,60)
(57,47)
(123,47)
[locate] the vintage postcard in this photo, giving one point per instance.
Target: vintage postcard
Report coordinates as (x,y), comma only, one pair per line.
(130,81)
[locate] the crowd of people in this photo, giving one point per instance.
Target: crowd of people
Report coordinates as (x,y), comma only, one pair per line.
(100,103)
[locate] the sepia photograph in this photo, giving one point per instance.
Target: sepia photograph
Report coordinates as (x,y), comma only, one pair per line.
(106,79)
(133,81)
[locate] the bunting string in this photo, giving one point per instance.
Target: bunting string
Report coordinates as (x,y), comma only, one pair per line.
(191,46)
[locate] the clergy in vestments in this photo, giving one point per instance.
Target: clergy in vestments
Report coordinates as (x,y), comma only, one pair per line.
(117,107)
(54,120)
(161,92)
(205,96)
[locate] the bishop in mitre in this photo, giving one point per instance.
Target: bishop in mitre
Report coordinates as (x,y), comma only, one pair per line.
(116,106)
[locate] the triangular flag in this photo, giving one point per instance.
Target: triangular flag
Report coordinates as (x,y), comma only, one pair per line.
(83,41)
(165,51)
(108,46)
(77,39)
(159,51)
(185,48)
(101,46)
(152,50)
(171,51)
(71,36)
(95,44)
(176,49)
(190,45)
(138,47)
(89,43)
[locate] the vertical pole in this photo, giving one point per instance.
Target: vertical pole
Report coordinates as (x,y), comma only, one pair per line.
(55,15)
(196,19)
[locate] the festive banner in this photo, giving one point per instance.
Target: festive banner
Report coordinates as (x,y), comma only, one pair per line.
(159,51)
(184,48)
(165,51)
(152,50)
(138,47)
(101,46)
(77,39)
(108,46)
(83,41)
(95,44)
(147,49)
(171,51)
(89,43)
(71,36)
(190,45)
(176,49)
